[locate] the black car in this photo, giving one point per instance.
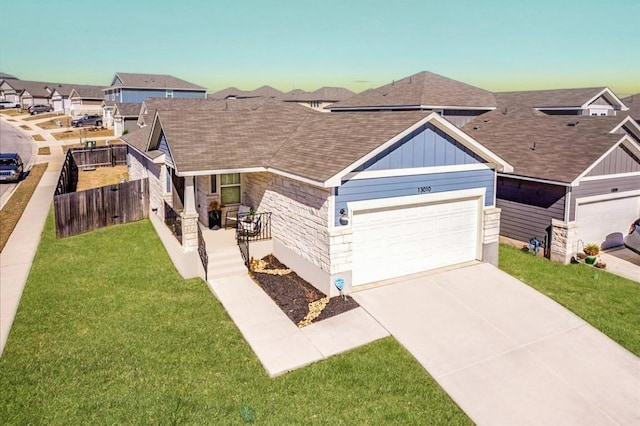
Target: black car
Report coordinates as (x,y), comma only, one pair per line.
(11,167)
(37,109)
(88,120)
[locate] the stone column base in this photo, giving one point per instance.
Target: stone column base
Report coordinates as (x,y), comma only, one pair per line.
(563,241)
(189,231)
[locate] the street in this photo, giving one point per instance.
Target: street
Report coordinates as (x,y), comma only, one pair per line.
(13,140)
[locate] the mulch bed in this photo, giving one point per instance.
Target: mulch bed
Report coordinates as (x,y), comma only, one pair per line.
(293,294)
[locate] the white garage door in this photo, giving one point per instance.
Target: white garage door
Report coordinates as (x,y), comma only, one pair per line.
(58,105)
(401,240)
(605,222)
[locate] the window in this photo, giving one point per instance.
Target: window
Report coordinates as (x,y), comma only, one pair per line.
(214,184)
(230,188)
(169,93)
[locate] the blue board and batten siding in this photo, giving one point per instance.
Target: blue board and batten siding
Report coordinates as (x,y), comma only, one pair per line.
(426,147)
(139,95)
(164,147)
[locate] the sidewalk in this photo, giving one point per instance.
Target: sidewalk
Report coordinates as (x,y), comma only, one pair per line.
(17,256)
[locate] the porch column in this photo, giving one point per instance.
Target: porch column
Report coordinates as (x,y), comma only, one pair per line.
(563,241)
(189,217)
(189,195)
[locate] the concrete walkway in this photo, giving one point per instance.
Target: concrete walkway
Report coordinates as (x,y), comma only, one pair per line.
(507,354)
(17,256)
(278,343)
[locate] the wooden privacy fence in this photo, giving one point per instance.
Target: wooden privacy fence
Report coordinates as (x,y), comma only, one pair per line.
(111,155)
(84,211)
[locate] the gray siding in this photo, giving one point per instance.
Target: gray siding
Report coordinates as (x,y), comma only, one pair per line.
(164,147)
(621,160)
(528,207)
(461,117)
(139,95)
(398,186)
(602,187)
(425,147)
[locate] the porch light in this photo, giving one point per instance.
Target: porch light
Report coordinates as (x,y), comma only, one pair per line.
(344,218)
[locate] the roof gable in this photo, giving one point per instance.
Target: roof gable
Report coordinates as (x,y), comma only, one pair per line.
(152,81)
(579,98)
(623,158)
(424,90)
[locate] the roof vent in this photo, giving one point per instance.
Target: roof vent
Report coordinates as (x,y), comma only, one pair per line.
(476,127)
(573,123)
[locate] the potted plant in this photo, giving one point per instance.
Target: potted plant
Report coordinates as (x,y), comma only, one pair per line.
(591,251)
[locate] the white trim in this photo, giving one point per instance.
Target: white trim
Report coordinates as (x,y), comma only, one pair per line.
(381,203)
(582,175)
(410,107)
(299,178)
(608,92)
(567,205)
(627,120)
(223,171)
(614,176)
(606,197)
(331,201)
(415,171)
(442,124)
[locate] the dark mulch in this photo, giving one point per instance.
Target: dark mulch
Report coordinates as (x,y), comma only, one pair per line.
(293,294)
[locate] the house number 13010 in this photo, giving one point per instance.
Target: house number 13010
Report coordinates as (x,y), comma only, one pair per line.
(424,189)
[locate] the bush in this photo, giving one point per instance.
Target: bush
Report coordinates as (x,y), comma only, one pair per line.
(591,249)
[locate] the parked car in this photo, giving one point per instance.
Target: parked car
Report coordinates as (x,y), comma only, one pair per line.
(87,120)
(11,167)
(37,109)
(8,104)
(632,240)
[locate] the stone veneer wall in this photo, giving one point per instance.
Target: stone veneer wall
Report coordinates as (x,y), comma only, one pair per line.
(490,235)
(564,241)
(300,214)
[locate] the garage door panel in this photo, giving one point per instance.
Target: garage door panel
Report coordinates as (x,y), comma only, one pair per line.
(605,222)
(398,241)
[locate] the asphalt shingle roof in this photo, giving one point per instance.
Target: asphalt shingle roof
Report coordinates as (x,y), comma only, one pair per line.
(326,94)
(263,91)
(423,89)
(128,109)
(543,146)
(89,92)
(548,98)
(154,81)
(239,134)
(633,102)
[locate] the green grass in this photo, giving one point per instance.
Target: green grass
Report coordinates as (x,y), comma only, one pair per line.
(108,333)
(608,302)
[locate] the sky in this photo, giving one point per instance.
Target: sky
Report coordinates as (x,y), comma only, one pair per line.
(306,44)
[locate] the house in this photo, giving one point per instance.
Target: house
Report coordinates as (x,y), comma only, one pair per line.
(318,99)
(86,99)
(9,90)
(633,103)
(575,180)
(235,93)
(349,194)
(125,118)
(135,88)
(26,93)
(597,101)
(60,96)
(5,76)
(425,91)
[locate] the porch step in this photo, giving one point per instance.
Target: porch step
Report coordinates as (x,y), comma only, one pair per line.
(223,264)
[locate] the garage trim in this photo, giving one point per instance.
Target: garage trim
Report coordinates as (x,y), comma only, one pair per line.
(605,197)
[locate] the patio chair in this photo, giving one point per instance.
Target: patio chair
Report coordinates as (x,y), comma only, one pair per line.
(250,225)
(231,216)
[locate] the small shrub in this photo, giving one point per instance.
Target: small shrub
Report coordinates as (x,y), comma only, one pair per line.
(591,249)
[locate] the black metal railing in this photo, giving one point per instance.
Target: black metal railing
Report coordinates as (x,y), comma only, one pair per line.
(252,227)
(173,221)
(202,251)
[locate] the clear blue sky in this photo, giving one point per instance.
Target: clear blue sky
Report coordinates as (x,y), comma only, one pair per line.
(358,44)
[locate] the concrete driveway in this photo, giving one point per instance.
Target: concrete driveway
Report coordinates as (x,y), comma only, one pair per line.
(507,354)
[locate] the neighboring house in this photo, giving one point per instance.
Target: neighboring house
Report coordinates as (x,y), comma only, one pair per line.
(596,101)
(135,88)
(456,101)
(5,76)
(125,118)
(318,99)
(359,196)
(86,99)
(575,180)
(633,102)
(60,96)
(235,93)
(28,92)
(9,90)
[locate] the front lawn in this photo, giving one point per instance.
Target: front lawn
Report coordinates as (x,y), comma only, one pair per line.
(608,302)
(108,333)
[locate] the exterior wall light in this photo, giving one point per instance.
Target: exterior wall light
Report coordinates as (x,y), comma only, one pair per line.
(344,218)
